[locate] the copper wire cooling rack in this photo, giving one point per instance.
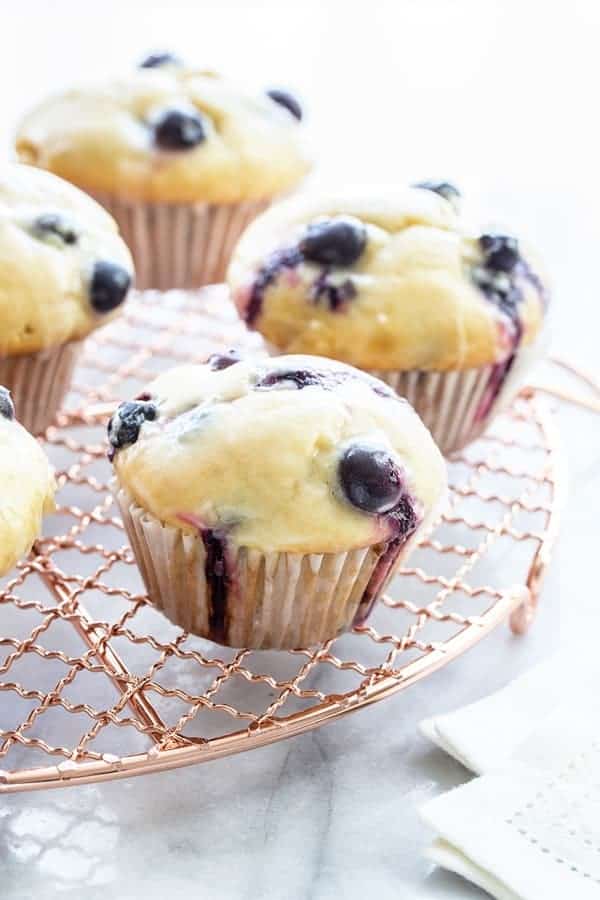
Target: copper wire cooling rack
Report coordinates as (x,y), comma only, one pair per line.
(95,684)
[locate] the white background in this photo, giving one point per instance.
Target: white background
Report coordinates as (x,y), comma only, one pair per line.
(502,98)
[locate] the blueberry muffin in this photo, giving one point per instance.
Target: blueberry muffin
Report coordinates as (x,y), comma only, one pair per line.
(64,271)
(181,158)
(27,486)
(269,502)
(398,284)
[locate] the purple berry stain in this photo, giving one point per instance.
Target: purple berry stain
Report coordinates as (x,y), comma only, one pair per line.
(216,571)
(217,577)
(220,361)
(288,258)
(334,295)
(445,189)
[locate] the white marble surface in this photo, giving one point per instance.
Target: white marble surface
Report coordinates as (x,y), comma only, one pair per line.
(499,96)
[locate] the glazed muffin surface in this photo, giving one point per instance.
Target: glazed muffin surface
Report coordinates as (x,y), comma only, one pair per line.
(64,270)
(295,454)
(168,133)
(390,280)
(27,486)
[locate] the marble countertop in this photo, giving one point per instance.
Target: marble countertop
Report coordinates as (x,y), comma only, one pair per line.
(332,814)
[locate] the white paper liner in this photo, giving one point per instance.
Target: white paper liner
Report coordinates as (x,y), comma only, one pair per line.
(180,245)
(458,406)
(275,600)
(38,382)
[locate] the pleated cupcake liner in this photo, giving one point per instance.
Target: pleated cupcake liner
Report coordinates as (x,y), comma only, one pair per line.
(273,601)
(39,382)
(458,406)
(180,245)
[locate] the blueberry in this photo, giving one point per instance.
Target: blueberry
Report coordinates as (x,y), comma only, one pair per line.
(370,479)
(327,380)
(178,129)
(155,60)
(108,286)
(444,188)
(500,252)
(52,224)
(124,426)
(337,242)
(7,409)
(220,361)
(284,98)
(300,378)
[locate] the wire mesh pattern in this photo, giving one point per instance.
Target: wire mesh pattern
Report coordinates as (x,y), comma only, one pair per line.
(94,683)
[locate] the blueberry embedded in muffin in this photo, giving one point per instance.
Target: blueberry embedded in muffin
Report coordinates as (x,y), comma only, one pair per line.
(54,227)
(7,408)
(324,378)
(124,426)
(500,252)
(445,189)
(159,59)
(109,286)
(496,275)
(287,100)
(178,129)
(502,275)
(370,478)
(337,242)
(218,361)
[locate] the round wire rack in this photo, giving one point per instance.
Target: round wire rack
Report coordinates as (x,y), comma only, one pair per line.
(96,684)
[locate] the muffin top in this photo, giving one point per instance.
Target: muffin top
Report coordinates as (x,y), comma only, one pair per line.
(386,280)
(27,486)
(296,454)
(64,270)
(168,133)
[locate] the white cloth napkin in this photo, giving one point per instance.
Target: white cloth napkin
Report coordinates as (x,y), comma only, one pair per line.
(529,827)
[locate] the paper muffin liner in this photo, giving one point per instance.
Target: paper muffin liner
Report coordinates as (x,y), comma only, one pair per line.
(176,245)
(39,382)
(458,406)
(273,601)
